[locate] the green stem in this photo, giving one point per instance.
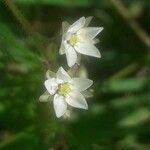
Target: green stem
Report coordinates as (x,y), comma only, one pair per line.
(141,34)
(38,40)
(18,15)
(125,71)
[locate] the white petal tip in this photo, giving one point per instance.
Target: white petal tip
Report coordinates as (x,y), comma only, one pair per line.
(71,56)
(58,115)
(71,65)
(99,56)
(44,98)
(100,29)
(61,68)
(60,106)
(90,81)
(89,17)
(60,53)
(86,107)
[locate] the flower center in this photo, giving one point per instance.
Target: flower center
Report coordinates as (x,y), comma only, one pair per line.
(64,89)
(73,39)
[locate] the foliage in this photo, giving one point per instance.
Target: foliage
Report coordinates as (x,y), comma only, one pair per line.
(119,112)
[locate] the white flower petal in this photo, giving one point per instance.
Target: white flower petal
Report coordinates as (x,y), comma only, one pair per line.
(88,93)
(81,84)
(51,85)
(87,49)
(62,48)
(65,26)
(89,33)
(87,21)
(95,41)
(60,105)
(71,56)
(67,114)
(76,99)
(66,37)
(77,25)
(62,74)
(50,74)
(44,97)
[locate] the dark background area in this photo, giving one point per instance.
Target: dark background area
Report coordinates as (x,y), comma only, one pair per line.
(119,113)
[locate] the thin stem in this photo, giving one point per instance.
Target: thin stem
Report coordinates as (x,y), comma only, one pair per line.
(38,40)
(142,35)
(125,71)
(18,15)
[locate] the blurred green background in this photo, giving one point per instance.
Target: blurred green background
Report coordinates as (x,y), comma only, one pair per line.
(119,113)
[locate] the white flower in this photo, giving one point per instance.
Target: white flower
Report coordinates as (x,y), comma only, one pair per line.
(66,91)
(78,38)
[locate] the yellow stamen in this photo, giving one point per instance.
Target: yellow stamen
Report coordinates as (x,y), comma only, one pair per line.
(73,39)
(64,89)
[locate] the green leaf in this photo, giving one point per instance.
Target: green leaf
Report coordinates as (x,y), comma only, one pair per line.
(126,85)
(135,118)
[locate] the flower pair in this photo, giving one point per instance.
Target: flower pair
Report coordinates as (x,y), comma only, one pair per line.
(77,39)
